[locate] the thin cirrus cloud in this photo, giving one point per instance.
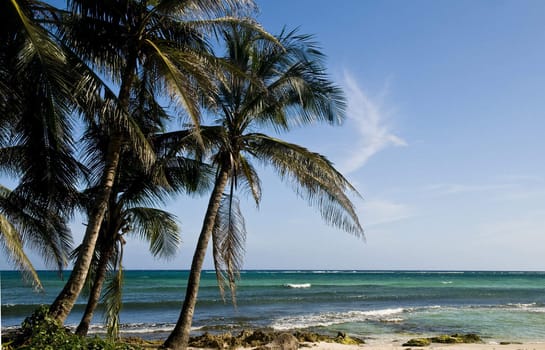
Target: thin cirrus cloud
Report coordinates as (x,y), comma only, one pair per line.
(371,124)
(382,211)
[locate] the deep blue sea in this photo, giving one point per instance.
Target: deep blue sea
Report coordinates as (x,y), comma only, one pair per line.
(376,305)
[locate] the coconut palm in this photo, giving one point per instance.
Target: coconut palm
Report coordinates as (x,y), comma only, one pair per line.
(156,226)
(121,40)
(129,213)
(282,87)
(37,96)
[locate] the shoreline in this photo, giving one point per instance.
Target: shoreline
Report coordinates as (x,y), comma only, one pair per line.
(397,346)
(343,342)
(263,339)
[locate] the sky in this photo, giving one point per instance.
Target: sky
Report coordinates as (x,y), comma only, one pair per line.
(444,140)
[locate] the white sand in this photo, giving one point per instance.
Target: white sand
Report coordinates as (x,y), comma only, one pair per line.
(397,346)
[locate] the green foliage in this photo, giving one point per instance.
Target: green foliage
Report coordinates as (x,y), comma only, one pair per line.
(42,332)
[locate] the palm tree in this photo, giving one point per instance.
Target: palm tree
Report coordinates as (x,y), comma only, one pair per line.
(37,97)
(282,87)
(122,40)
(156,226)
(129,212)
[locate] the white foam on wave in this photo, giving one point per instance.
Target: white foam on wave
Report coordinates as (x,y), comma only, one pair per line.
(528,307)
(136,328)
(298,285)
(333,318)
(522,305)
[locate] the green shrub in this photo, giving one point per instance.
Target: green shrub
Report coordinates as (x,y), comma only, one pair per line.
(41,332)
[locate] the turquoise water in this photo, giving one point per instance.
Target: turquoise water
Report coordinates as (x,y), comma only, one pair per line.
(381,305)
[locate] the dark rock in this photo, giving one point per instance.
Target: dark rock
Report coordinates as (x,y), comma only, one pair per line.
(445,339)
(457,338)
(343,338)
(470,338)
(284,341)
(208,340)
(311,337)
(418,342)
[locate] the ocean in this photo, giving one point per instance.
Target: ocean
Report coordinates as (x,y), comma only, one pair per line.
(375,305)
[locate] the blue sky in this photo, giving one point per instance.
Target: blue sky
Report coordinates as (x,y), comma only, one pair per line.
(444,140)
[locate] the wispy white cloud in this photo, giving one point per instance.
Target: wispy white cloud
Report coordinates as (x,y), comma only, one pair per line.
(371,122)
(383,211)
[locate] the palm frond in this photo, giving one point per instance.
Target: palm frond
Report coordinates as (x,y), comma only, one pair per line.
(228,240)
(112,300)
(11,242)
(38,110)
(202,9)
(313,178)
(178,81)
(250,179)
(157,227)
(42,229)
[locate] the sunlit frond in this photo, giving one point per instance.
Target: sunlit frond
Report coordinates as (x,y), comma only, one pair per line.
(228,239)
(112,300)
(40,229)
(248,178)
(202,9)
(313,177)
(157,227)
(12,245)
(185,92)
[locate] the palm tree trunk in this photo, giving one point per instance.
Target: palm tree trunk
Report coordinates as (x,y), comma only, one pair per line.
(66,299)
(94,295)
(179,338)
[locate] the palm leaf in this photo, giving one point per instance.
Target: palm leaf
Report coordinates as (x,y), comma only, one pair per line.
(228,240)
(156,226)
(41,229)
(112,300)
(11,242)
(313,178)
(250,179)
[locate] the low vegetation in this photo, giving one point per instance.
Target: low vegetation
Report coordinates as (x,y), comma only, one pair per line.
(42,332)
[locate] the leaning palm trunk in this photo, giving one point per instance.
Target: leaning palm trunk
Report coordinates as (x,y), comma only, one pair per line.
(96,289)
(66,299)
(179,338)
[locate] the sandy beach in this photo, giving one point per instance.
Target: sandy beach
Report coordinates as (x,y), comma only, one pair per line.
(392,346)
(397,346)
